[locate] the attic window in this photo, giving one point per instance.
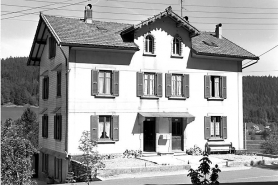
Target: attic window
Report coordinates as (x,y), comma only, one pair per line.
(210,43)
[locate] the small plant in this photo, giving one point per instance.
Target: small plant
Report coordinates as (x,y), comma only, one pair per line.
(194,151)
(252,163)
(132,153)
(199,176)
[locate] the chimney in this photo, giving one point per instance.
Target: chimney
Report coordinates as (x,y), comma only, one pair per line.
(88,14)
(186,18)
(218,31)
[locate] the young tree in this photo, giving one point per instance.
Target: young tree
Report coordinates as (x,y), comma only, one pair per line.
(199,176)
(16,153)
(91,159)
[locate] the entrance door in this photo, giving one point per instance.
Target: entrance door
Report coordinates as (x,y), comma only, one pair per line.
(149,135)
(176,134)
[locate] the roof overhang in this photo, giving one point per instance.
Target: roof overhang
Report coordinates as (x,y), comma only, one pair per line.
(181,22)
(76,45)
(197,54)
(186,115)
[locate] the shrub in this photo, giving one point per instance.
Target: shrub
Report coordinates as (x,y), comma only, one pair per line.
(132,153)
(270,146)
(194,151)
(199,176)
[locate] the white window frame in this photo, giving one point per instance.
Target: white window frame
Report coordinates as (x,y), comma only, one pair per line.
(104,87)
(147,92)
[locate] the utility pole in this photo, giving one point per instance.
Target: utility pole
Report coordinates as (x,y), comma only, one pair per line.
(181,7)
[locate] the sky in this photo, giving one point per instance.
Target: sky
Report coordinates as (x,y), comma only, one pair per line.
(252,24)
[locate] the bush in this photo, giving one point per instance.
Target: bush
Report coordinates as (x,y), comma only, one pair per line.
(132,153)
(194,151)
(270,146)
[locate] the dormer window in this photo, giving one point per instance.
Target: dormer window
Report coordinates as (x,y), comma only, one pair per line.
(149,44)
(177,47)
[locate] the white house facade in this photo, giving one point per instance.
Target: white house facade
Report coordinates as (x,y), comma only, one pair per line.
(161,86)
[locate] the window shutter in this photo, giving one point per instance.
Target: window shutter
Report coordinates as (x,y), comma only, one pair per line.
(159,84)
(207,86)
(172,46)
(43,88)
(224,127)
(224,86)
(181,48)
(94,82)
(94,128)
(145,44)
(46,162)
(47,88)
(168,84)
(115,127)
(46,129)
(55,127)
(43,125)
(186,85)
(154,45)
(53,47)
(115,87)
(140,88)
(60,127)
(207,127)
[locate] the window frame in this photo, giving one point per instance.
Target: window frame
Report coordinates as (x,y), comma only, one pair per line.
(176,52)
(213,122)
(45,126)
(185,86)
(58,167)
(105,72)
(210,87)
(148,84)
(182,84)
(104,127)
(149,45)
(59,84)
(58,127)
(223,132)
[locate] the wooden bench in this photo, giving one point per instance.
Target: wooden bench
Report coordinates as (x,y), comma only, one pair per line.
(219,146)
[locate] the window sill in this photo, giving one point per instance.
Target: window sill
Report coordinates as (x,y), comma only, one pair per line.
(177,56)
(58,96)
(104,96)
(149,97)
(106,142)
(45,99)
(216,139)
(44,137)
(176,98)
(59,140)
(149,54)
(215,99)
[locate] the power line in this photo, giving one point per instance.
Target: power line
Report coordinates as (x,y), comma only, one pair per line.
(33,8)
(142,2)
(250,7)
(233,12)
(46,10)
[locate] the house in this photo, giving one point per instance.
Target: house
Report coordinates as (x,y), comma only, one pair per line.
(159,86)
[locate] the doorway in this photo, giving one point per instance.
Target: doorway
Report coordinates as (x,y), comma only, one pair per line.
(149,135)
(177,134)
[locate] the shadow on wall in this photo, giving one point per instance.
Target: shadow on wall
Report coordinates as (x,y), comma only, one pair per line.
(136,126)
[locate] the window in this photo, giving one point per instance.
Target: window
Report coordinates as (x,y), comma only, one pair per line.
(59,83)
(52,47)
(105,128)
(105,83)
(149,44)
(149,84)
(215,87)
(177,85)
(216,127)
(58,169)
(44,162)
(177,46)
(45,87)
(45,126)
(58,127)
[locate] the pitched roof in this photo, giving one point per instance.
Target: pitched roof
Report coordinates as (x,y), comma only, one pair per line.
(206,43)
(167,13)
(72,31)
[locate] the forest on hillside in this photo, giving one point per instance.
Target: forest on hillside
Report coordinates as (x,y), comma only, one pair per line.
(19,82)
(260,99)
(20,85)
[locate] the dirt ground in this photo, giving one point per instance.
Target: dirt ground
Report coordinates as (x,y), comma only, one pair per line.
(120,162)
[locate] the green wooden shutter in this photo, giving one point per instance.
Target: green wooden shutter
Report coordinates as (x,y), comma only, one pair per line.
(46,129)
(115,127)
(224,86)
(115,86)
(185,86)
(55,127)
(224,127)
(43,125)
(94,81)
(94,127)
(168,84)
(154,45)
(207,127)
(159,84)
(207,86)
(140,88)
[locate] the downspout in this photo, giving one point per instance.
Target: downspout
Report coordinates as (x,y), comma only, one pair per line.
(66,135)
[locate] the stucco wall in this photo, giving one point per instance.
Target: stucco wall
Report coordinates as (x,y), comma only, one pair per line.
(127,105)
